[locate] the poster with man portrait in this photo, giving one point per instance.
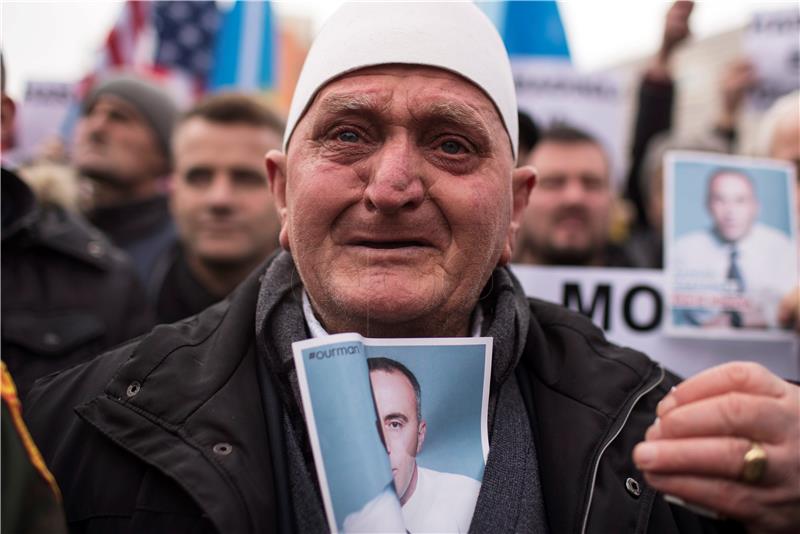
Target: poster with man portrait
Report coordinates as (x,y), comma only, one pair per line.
(398,429)
(730,244)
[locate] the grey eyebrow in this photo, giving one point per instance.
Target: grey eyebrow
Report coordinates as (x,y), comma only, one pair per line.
(455,113)
(342,103)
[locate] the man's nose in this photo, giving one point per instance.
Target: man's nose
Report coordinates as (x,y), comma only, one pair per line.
(396,183)
(95,121)
(220,192)
(573,192)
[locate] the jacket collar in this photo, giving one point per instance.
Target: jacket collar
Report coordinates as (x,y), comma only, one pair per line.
(127,223)
(50,226)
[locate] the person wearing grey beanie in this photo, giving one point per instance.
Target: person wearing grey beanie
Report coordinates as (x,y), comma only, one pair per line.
(122,144)
(154,104)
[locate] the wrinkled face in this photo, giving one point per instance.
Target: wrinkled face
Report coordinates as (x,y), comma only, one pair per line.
(403,433)
(732,204)
(396,196)
(113,142)
(567,219)
(220,197)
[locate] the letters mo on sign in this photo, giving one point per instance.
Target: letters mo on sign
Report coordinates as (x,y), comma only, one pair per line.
(628,304)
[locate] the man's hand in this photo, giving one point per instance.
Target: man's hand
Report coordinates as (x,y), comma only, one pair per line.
(736,79)
(676,26)
(696,447)
(676,30)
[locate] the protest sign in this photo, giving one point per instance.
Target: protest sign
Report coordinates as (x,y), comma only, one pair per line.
(553,91)
(730,244)
(772,44)
(42,115)
(398,429)
(629,305)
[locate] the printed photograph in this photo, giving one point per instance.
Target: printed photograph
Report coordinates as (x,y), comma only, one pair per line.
(410,429)
(731,253)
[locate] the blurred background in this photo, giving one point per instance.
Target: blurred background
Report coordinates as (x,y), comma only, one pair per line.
(61,42)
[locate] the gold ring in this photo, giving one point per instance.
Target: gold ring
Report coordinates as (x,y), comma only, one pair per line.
(755,463)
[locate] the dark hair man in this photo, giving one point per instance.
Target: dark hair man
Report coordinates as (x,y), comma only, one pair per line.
(220,201)
(568,215)
(528,136)
(399,202)
(430,500)
(122,145)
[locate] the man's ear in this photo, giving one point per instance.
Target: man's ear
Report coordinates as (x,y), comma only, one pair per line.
(523,179)
(421,428)
(276,173)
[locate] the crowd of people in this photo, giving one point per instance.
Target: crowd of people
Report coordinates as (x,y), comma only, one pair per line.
(392,198)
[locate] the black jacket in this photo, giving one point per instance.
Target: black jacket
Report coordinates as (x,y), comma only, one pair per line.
(170,436)
(67,294)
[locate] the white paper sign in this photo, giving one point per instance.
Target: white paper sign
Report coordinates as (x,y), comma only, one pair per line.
(628,304)
(772,43)
(42,114)
(553,91)
(398,429)
(730,246)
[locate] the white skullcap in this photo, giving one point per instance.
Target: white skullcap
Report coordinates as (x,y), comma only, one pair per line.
(456,37)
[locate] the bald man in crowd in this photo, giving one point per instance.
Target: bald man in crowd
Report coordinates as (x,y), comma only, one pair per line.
(431,500)
(739,256)
(399,203)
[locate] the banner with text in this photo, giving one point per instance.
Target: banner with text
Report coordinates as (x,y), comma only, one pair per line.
(629,305)
(772,43)
(553,91)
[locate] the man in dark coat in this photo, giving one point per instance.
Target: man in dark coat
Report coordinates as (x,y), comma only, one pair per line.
(221,203)
(399,202)
(68,294)
(122,145)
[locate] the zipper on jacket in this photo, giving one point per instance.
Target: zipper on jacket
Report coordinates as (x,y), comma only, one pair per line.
(647,389)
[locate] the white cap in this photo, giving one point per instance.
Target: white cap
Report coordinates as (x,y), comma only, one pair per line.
(454,36)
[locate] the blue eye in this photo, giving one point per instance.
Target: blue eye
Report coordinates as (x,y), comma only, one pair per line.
(451,147)
(347,136)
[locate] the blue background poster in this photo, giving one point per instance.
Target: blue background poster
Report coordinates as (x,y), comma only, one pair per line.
(451,384)
(691,187)
(355,461)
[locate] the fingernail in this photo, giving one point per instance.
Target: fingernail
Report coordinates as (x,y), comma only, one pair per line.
(654,431)
(644,454)
(666,404)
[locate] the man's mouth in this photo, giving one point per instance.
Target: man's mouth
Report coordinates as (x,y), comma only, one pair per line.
(389,245)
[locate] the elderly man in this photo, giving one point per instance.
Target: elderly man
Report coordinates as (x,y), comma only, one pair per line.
(122,145)
(399,203)
(221,203)
(569,213)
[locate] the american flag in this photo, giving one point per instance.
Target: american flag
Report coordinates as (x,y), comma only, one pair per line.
(185,36)
(171,41)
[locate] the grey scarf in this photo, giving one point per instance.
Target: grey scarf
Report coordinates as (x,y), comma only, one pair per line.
(510,499)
